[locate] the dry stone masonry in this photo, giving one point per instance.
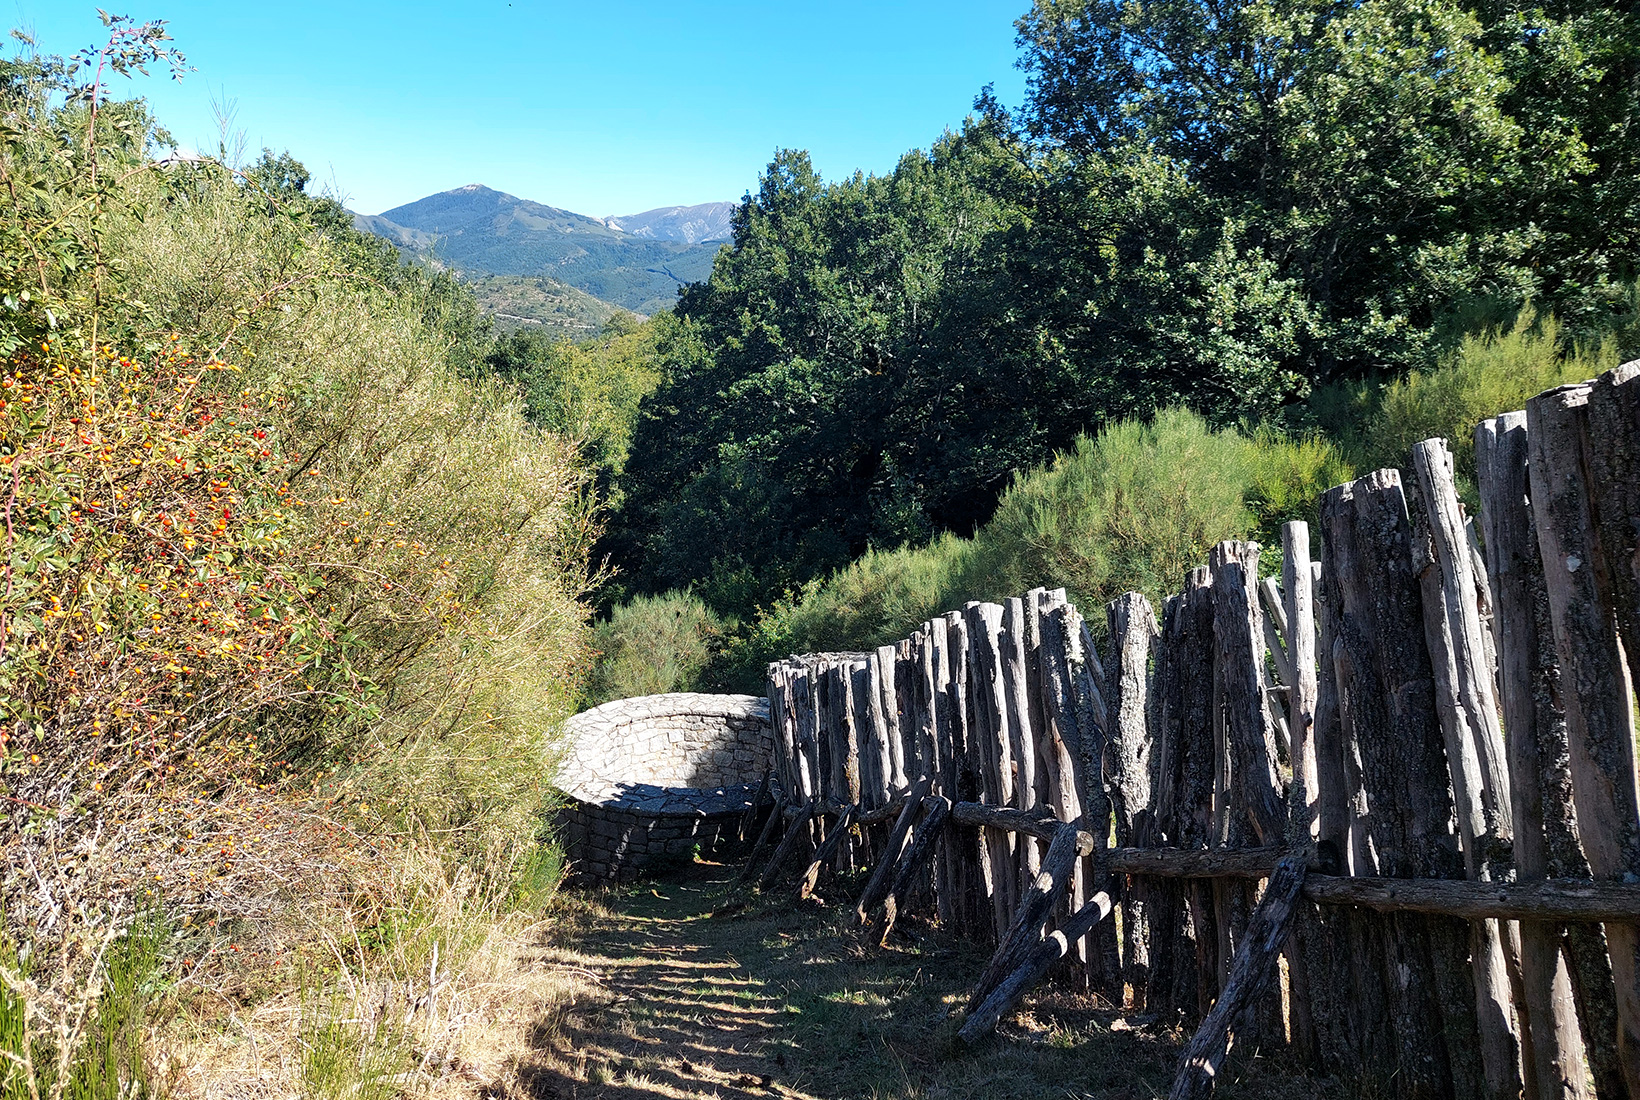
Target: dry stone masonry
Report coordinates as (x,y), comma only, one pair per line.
(652,777)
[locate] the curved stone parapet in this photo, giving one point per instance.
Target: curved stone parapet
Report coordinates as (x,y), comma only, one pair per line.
(657,775)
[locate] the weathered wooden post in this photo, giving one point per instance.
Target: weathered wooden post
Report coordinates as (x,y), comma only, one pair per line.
(1467,707)
(1133,635)
(1578,574)
(1255,801)
(1535,742)
(1169,942)
(994,758)
(1197,772)
(1387,700)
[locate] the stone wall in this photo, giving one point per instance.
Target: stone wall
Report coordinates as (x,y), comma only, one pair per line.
(652,777)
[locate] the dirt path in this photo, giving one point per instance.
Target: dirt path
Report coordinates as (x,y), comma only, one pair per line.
(697,987)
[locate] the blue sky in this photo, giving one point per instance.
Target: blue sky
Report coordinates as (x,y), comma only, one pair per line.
(602,108)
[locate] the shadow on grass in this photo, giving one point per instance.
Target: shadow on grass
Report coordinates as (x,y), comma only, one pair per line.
(707,988)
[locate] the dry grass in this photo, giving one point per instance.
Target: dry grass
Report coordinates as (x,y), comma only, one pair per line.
(707,989)
(433,997)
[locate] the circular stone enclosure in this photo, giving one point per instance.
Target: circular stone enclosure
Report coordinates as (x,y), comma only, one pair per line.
(652,777)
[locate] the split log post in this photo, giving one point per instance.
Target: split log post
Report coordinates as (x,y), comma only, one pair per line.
(1133,636)
(827,851)
(1169,935)
(885,715)
(782,719)
(988,707)
(1035,910)
(1598,696)
(1535,743)
(1467,707)
(937,808)
(877,886)
(1238,631)
(1348,1007)
(1022,730)
(777,817)
(1293,606)
(1193,652)
(1052,948)
(916,741)
(798,828)
(1250,975)
(1614,434)
(1094,715)
(1061,746)
(1041,739)
(865,709)
(935,677)
(1298,605)
(1387,699)
(807,733)
(840,776)
(971,894)
(1249,736)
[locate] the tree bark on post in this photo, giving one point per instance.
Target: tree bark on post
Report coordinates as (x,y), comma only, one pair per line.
(1578,575)
(1133,635)
(1467,706)
(1197,768)
(1387,698)
(1252,972)
(1255,801)
(1532,723)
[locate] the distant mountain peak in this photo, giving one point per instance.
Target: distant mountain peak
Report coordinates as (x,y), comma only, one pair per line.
(707,221)
(635,262)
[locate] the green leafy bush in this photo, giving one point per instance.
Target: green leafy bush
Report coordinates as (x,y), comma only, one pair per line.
(1133,509)
(653,644)
(1488,373)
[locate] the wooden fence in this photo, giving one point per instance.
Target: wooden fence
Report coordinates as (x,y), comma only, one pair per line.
(1438,740)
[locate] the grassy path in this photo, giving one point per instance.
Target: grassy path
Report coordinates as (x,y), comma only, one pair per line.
(698,987)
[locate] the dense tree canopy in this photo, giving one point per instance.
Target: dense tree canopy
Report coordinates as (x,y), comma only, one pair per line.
(1200,203)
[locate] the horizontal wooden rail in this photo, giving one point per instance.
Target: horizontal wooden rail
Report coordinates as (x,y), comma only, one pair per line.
(877,816)
(1550,900)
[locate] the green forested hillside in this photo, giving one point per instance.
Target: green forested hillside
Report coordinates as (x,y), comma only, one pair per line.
(519,302)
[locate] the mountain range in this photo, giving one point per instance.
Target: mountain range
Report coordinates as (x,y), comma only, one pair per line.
(634,262)
(707,221)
